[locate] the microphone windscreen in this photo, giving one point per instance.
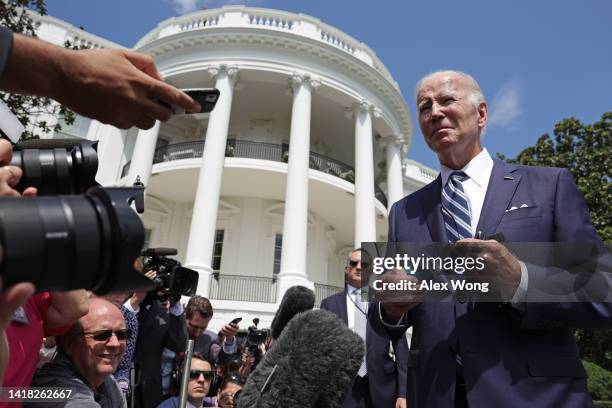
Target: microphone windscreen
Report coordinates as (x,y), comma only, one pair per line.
(312,364)
(297,299)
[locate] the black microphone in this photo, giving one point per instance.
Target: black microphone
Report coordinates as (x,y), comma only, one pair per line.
(297,299)
(49,143)
(159,252)
(312,364)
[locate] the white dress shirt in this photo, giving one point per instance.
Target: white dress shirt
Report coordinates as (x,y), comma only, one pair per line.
(475,188)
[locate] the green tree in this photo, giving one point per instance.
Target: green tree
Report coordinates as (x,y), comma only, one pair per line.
(32,111)
(586,151)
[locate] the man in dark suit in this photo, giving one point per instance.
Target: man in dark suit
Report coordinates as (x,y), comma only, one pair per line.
(382,379)
(158,328)
(517,353)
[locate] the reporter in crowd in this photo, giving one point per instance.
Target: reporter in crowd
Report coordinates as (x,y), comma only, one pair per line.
(88,354)
(198,314)
(201,375)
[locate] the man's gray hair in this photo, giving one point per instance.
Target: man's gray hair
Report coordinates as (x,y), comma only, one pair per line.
(475,93)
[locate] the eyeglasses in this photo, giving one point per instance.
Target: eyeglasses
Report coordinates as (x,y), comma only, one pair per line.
(105,335)
(353,264)
(195,374)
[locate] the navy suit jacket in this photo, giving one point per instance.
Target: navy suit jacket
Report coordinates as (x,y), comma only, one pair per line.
(387,378)
(513,356)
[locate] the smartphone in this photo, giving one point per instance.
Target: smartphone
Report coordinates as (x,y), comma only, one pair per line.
(236,320)
(206,97)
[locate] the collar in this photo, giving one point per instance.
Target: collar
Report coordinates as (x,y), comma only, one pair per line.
(350,289)
(477,169)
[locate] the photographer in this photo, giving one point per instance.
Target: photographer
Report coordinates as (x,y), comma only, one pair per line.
(27,318)
(159,328)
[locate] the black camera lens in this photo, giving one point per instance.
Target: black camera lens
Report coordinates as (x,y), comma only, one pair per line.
(57,166)
(63,243)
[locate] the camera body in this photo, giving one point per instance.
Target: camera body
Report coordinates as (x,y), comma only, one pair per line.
(172,280)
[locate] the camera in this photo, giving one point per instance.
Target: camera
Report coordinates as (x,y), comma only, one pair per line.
(172,280)
(56,166)
(256,336)
(69,242)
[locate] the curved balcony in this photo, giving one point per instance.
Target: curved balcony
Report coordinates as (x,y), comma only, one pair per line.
(257,150)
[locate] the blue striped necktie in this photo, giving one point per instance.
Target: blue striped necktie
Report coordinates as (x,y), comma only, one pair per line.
(455,208)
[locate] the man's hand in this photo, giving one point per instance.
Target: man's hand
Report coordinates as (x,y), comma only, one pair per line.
(229,332)
(401,403)
(10,300)
(502,268)
(10,175)
(395,303)
(117,87)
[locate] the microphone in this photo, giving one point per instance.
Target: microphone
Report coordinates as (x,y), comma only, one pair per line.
(67,144)
(312,364)
(159,252)
(297,299)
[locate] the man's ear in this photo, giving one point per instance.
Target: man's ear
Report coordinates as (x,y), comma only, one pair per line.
(483,114)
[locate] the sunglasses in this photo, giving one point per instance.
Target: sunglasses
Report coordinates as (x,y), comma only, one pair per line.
(195,374)
(105,335)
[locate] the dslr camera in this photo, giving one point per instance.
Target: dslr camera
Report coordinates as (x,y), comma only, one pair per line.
(172,280)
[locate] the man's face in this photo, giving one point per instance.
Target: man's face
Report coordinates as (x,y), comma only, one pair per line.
(199,378)
(353,269)
(226,396)
(449,121)
(196,324)
(93,356)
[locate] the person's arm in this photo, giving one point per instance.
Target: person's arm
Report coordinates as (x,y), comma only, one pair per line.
(10,300)
(66,308)
(117,87)
(176,336)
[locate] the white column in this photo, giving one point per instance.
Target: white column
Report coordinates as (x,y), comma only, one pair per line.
(142,158)
(365,215)
(204,217)
(295,223)
(395,183)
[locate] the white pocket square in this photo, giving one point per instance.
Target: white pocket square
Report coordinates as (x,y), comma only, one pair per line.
(516,208)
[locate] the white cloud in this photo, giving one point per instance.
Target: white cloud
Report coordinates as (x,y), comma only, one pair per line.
(187,6)
(506,104)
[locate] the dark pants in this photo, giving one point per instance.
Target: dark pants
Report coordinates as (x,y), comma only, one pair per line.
(359,395)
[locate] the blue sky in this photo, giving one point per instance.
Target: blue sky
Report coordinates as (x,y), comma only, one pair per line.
(537,61)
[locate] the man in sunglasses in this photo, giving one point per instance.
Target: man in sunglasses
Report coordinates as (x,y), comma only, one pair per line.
(382,377)
(201,375)
(88,354)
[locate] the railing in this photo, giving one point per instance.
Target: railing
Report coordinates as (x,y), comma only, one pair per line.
(243,288)
(240,16)
(257,150)
(323,291)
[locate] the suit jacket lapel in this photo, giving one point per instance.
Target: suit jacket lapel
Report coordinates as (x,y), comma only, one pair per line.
(432,208)
(502,185)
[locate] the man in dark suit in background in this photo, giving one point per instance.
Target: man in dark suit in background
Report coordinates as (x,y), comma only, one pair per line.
(382,379)
(517,353)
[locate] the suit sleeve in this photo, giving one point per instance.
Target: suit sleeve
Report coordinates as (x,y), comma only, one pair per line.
(401,362)
(176,336)
(584,298)
(6,45)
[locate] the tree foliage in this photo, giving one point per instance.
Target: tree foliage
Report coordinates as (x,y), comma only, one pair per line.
(32,111)
(586,151)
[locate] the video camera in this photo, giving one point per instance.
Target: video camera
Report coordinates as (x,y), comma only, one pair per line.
(256,336)
(172,280)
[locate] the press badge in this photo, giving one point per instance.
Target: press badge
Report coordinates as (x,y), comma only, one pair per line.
(20,316)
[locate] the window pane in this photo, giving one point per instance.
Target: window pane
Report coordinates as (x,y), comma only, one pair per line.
(217,250)
(278,246)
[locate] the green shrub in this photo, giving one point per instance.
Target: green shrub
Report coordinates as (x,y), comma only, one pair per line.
(599,382)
